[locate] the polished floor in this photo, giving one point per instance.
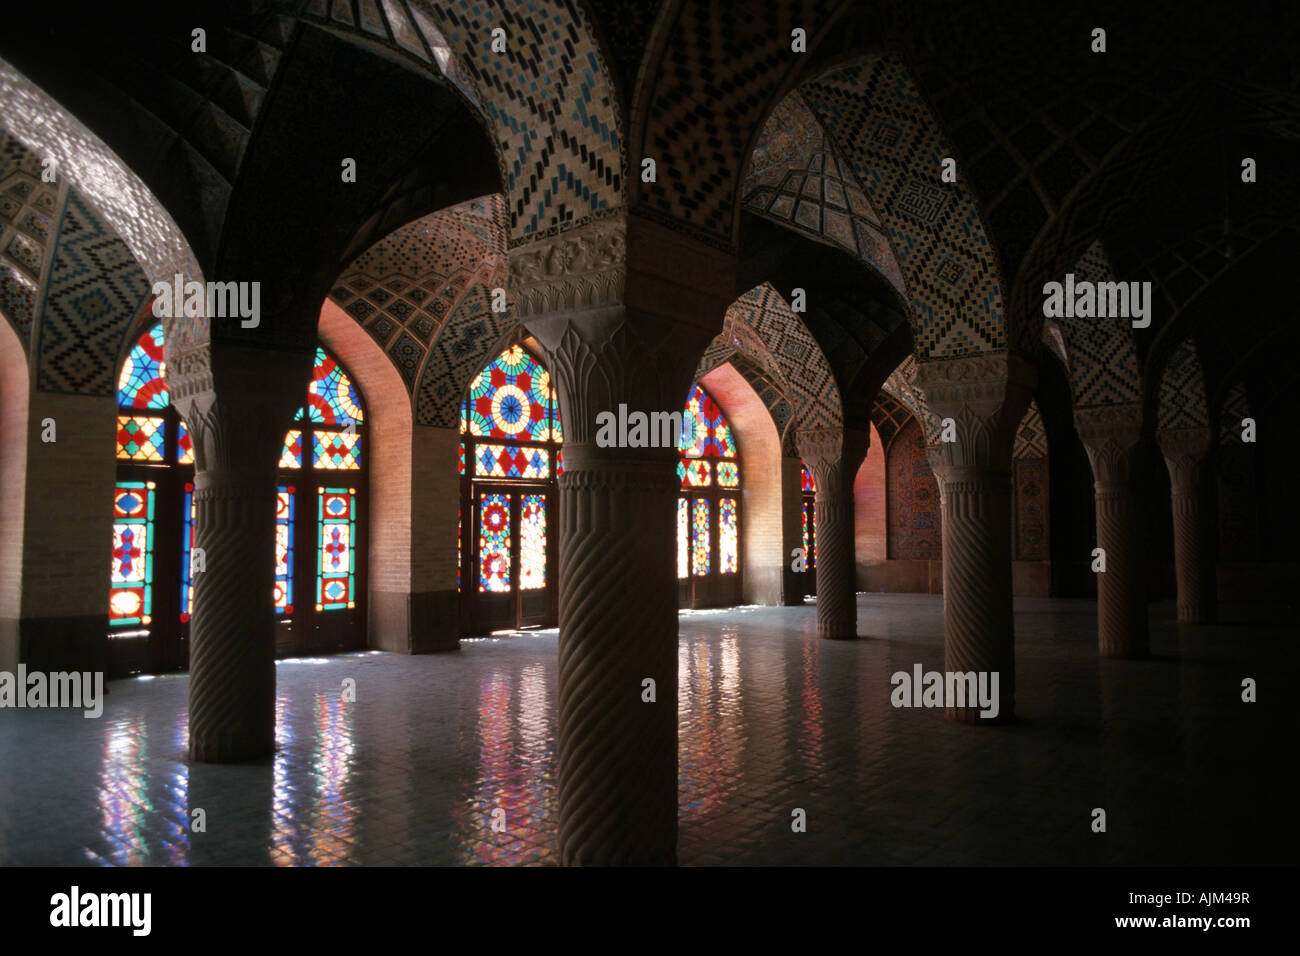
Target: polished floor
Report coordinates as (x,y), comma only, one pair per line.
(772,719)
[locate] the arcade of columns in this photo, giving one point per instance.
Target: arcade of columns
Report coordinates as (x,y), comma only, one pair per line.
(624,326)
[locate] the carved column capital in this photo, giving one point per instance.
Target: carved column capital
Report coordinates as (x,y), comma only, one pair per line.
(237,403)
(833,455)
(600,358)
(986,396)
(1185,451)
(1111,435)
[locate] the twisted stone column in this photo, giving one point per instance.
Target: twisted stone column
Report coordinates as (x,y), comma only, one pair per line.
(833,456)
(617,753)
(985,396)
(1186,452)
(614,333)
(237,404)
(1112,436)
(618,625)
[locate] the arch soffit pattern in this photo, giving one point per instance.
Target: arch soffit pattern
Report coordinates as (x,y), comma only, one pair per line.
(404,289)
(791,353)
(796,177)
(1102,354)
(1182,399)
(549,99)
(874,113)
(80,255)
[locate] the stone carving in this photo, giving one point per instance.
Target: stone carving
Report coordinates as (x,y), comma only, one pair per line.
(575,270)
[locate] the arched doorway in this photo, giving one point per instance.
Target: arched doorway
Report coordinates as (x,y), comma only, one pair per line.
(708,509)
(510,456)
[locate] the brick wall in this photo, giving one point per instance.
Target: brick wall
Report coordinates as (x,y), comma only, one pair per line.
(869,504)
(68,524)
(13,487)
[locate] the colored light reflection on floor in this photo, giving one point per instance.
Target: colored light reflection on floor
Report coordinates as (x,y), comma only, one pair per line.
(771,718)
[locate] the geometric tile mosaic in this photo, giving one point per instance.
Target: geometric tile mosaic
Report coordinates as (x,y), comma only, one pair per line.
(888,415)
(549,99)
(1031,437)
(1102,352)
(1182,390)
(796,178)
(715,70)
(900,385)
(28,208)
(463,346)
(119,197)
(950,268)
(801,368)
(1236,407)
(96,292)
(735,345)
(401,289)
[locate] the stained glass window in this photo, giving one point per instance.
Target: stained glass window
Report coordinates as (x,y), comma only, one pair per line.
(131,588)
(187,552)
(141,384)
(332,399)
(140,438)
(683,538)
(809,486)
(150,435)
(336,557)
(728,542)
(494,542)
(700,537)
(511,398)
(705,432)
(510,434)
(285,496)
(532,542)
(707,465)
(809,535)
(291,453)
(339,451)
(695,472)
(809,516)
(184,446)
(327,437)
(509,461)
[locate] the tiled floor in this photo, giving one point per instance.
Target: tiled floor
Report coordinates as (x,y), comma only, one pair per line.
(772,719)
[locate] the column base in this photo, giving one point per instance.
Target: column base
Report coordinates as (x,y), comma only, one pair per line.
(838,631)
(232,749)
